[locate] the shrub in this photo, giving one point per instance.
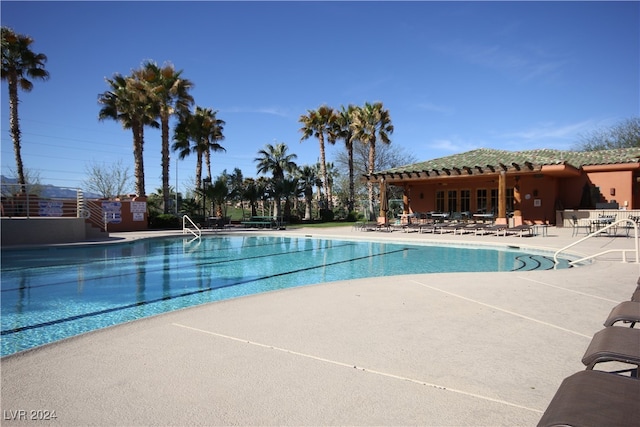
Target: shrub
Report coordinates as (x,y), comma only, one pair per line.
(164,221)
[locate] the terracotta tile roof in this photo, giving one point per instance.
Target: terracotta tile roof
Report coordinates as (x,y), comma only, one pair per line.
(485,157)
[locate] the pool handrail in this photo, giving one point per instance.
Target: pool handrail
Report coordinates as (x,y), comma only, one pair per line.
(185,228)
(599,231)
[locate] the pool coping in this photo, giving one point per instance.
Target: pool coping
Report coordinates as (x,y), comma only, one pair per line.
(208,361)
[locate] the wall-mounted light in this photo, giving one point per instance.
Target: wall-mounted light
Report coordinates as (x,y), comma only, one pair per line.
(612,191)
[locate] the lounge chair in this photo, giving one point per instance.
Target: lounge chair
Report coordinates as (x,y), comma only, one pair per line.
(636,294)
(521,230)
(614,344)
(593,398)
(451,226)
(496,228)
(626,312)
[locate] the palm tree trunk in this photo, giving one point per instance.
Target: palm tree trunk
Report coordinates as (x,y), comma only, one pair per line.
(199,174)
(165,161)
(323,167)
(207,159)
(372,159)
(14,125)
(352,191)
(138,142)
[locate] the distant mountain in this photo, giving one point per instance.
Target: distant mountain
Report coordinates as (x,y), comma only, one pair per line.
(45,190)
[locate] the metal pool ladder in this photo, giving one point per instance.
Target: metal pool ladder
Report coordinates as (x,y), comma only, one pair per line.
(193,228)
(628,223)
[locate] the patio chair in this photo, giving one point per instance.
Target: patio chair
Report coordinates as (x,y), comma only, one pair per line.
(636,294)
(614,344)
(594,398)
(521,230)
(626,312)
(577,226)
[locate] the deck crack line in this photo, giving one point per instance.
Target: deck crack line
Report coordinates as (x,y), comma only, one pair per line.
(360,368)
(513,313)
(569,290)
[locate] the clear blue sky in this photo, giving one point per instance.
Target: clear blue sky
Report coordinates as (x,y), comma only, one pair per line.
(455,76)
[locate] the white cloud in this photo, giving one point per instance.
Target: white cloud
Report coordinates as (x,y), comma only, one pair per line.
(276,111)
(550,130)
(525,63)
(453,145)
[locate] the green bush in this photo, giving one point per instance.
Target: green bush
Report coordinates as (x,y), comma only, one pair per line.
(164,222)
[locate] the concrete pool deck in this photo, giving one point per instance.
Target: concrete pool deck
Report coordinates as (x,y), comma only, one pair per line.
(463,349)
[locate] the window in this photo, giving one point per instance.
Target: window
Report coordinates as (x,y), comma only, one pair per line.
(452,200)
(494,201)
(440,201)
(481,200)
(509,199)
(465,200)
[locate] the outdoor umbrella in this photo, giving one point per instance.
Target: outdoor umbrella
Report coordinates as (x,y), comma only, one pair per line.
(384,200)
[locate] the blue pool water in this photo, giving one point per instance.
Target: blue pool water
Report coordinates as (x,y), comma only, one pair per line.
(53,293)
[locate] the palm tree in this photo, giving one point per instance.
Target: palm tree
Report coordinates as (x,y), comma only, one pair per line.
(128,102)
(218,193)
(19,65)
(276,160)
(371,123)
(170,92)
(319,123)
(308,179)
(343,131)
(198,133)
(251,193)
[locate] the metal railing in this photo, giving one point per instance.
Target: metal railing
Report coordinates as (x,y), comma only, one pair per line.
(185,228)
(614,225)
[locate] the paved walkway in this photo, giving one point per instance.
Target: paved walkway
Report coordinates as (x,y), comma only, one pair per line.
(459,349)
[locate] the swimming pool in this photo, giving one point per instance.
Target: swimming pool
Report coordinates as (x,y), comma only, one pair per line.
(53,293)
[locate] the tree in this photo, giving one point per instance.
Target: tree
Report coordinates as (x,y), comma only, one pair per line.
(170,94)
(128,102)
(198,133)
(370,124)
(19,65)
(344,131)
(218,193)
(320,123)
(307,179)
(108,181)
(252,190)
(276,160)
(624,134)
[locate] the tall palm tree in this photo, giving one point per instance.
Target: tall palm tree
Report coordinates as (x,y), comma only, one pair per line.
(198,133)
(320,123)
(128,102)
(344,131)
(371,123)
(276,160)
(19,65)
(170,92)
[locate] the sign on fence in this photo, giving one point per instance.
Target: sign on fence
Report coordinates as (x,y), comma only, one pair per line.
(112,212)
(50,208)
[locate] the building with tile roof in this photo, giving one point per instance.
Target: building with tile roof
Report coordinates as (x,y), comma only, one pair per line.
(530,185)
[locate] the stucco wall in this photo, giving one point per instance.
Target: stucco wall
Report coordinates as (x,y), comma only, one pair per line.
(40,230)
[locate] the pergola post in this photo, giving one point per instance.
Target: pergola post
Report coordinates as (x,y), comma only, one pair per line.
(502,198)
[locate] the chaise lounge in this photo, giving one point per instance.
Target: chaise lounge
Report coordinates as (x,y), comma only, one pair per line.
(594,398)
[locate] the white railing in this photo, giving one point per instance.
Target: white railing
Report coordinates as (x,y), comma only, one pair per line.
(629,223)
(185,228)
